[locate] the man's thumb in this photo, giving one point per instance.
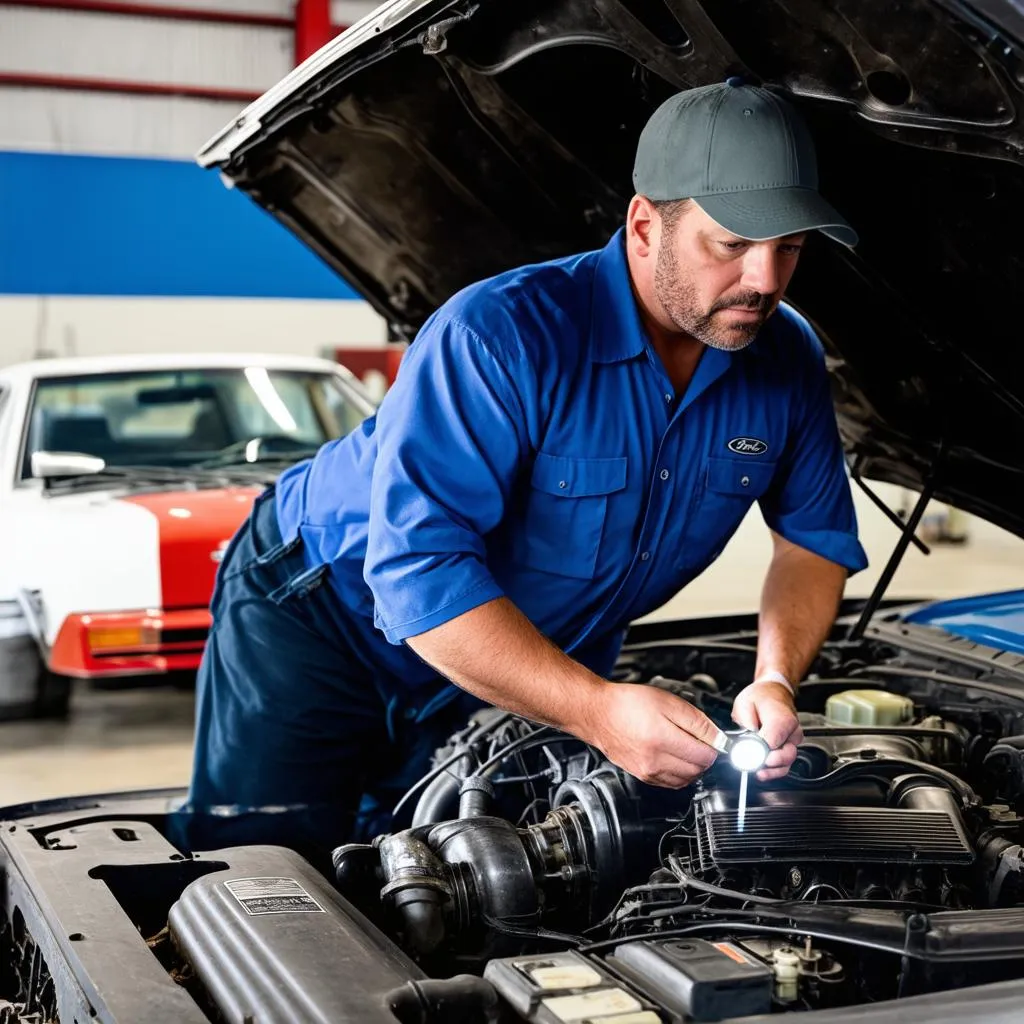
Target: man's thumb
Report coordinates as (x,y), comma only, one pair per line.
(695,722)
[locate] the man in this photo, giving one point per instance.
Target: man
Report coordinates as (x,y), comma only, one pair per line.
(566,446)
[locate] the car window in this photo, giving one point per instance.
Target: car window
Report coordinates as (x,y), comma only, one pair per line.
(178,418)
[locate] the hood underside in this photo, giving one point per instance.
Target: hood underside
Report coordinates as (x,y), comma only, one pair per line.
(437,143)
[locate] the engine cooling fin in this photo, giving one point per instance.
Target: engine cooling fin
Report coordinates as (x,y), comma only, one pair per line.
(839,834)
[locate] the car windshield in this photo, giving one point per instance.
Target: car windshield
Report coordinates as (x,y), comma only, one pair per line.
(187,418)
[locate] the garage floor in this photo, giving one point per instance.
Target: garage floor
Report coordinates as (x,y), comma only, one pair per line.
(126,740)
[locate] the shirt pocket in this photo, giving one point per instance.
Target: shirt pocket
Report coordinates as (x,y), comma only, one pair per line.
(731,486)
(566,507)
(738,479)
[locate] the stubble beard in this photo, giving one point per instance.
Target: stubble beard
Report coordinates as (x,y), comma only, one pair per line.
(677,293)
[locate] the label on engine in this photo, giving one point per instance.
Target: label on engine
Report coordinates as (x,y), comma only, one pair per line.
(731,952)
(272,896)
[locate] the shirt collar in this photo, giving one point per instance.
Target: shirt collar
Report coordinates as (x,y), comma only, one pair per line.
(616,333)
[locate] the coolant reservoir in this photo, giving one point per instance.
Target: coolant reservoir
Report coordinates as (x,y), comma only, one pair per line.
(868,707)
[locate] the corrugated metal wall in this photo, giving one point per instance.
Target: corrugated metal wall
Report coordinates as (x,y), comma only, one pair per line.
(108,124)
(102,105)
(132,49)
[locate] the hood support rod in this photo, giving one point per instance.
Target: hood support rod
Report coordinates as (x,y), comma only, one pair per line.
(908,531)
(888,512)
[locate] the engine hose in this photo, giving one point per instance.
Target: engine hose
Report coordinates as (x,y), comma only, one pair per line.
(915,732)
(440,800)
(440,797)
(928,676)
(475,797)
(887,768)
(437,1000)
(689,882)
(537,738)
(755,929)
(464,749)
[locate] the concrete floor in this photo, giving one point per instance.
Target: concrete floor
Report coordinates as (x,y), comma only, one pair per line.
(125,740)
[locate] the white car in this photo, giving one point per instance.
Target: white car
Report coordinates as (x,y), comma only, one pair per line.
(121,481)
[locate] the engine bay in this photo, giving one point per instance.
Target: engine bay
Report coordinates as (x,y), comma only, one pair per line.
(854,880)
(526,878)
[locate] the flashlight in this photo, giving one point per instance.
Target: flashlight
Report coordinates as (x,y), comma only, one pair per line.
(746,751)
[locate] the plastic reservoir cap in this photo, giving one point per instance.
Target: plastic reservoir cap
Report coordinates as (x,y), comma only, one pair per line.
(868,707)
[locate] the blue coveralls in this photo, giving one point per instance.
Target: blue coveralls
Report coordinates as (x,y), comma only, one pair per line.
(532,447)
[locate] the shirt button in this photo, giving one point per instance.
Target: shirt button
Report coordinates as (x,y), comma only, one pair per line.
(664,474)
(645,556)
(561,483)
(745,481)
(668,398)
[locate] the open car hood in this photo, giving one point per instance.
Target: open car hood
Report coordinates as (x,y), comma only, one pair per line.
(439,142)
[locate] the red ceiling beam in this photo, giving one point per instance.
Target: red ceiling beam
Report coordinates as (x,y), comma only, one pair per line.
(144,10)
(313,27)
(109,85)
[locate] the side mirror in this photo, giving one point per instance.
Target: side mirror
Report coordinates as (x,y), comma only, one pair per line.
(50,465)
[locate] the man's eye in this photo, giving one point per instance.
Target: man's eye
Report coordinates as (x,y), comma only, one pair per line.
(790,250)
(733,246)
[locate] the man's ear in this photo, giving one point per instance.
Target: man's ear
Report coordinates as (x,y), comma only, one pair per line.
(642,226)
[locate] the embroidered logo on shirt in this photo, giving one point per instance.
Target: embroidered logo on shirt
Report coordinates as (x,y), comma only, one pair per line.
(748,446)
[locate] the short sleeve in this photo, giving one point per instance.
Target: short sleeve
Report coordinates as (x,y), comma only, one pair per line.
(452,436)
(809,502)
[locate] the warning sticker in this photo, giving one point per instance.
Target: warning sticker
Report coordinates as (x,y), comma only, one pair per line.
(272,896)
(730,951)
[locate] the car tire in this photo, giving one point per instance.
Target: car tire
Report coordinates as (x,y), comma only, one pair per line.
(53,698)
(28,689)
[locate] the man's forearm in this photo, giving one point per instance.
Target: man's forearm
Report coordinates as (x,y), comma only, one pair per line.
(799,603)
(496,653)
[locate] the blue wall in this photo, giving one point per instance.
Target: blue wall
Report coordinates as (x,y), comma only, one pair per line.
(87,225)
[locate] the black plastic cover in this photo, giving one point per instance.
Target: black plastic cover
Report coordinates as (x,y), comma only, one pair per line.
(705,981)
(278,945)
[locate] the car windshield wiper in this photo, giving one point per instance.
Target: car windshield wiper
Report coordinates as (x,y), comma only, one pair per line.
(149,474)
(252,451)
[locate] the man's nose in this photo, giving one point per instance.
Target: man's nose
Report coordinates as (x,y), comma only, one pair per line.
(761,270)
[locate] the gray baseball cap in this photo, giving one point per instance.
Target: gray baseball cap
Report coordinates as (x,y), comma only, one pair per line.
(744,155)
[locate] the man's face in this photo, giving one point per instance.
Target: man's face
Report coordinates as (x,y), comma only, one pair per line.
(717,287)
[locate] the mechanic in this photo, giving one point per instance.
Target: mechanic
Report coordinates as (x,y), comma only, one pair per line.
(566,446)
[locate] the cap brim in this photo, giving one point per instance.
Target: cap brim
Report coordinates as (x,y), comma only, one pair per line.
(761,214)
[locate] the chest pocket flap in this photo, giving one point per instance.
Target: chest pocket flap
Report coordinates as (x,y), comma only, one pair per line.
(578,478)
(740,477)
(565,513)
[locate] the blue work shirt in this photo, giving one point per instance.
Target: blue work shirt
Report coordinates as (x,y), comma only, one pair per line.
(532,447)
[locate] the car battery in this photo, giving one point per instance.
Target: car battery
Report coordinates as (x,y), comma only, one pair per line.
(694,979)
(567,988)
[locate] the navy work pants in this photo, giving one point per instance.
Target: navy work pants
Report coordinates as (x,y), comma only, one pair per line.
(297,742)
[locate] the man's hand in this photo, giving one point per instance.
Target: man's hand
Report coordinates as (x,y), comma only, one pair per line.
(768,708)
(655,736)
(494,652)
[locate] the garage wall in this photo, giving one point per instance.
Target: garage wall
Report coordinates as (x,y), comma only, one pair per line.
(111,238)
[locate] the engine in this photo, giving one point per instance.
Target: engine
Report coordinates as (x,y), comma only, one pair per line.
(554,874)
(525,878)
